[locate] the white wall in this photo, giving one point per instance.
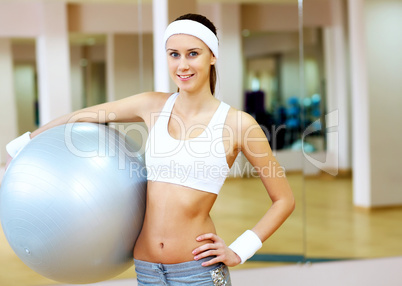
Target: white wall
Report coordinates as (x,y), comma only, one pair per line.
(19,19)
(383,20)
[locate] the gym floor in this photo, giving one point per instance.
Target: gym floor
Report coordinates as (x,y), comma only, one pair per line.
(324,227)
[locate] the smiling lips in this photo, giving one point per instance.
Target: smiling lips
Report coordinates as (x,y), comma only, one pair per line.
(185,77)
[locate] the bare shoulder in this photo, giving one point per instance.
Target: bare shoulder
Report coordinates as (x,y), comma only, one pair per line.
(154,102)
(249,137)
(240,120)
(153,95)
(151,100)
(138,107)
(242,125)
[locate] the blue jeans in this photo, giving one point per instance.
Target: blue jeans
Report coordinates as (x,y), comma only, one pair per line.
(186,273)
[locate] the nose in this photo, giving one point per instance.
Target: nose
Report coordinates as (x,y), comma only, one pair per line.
(183,65)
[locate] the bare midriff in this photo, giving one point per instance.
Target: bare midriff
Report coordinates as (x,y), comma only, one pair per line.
(175,216)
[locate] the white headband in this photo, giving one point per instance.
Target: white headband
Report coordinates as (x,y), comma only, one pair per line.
(196,29)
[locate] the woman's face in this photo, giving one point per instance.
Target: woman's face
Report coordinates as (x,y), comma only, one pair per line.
(189,61)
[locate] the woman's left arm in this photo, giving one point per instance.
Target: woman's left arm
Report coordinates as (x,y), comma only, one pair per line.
(256,148)
(254,145)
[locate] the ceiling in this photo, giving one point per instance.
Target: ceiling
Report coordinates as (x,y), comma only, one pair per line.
(89,39)
(199,1)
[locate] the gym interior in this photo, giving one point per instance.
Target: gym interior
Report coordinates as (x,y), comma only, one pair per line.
(321,76)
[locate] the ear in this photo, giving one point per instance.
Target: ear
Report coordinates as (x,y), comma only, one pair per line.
(213,60)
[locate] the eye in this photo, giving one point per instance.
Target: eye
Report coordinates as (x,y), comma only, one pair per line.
(174,55)
(193,54)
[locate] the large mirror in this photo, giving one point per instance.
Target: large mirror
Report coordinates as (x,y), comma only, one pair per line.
(271,86)
(110,48)
(352,195)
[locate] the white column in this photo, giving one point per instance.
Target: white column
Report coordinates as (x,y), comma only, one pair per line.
(160,21)
(360,105)
(53,61)
(227,18)
(8,107)
(383,21)
(337,84)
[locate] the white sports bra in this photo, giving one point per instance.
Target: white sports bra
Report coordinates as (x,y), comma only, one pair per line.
(198,163)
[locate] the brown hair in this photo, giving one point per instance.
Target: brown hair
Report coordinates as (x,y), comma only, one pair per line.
(207,23)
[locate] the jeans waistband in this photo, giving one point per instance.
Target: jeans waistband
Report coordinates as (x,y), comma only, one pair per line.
(177,269)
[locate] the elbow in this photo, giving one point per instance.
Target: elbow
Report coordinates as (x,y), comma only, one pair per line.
(292,205)
(287,205)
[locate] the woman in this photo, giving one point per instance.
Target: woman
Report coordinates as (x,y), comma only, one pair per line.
(202,136)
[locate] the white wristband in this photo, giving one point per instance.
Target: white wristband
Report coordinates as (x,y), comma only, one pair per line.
(15,146)
(246,245)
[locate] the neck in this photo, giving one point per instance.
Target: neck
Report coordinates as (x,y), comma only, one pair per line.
(195,102)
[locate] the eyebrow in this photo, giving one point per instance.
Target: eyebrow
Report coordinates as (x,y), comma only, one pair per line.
(192,49)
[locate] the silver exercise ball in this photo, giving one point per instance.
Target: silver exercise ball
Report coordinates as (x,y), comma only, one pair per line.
(72,202)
